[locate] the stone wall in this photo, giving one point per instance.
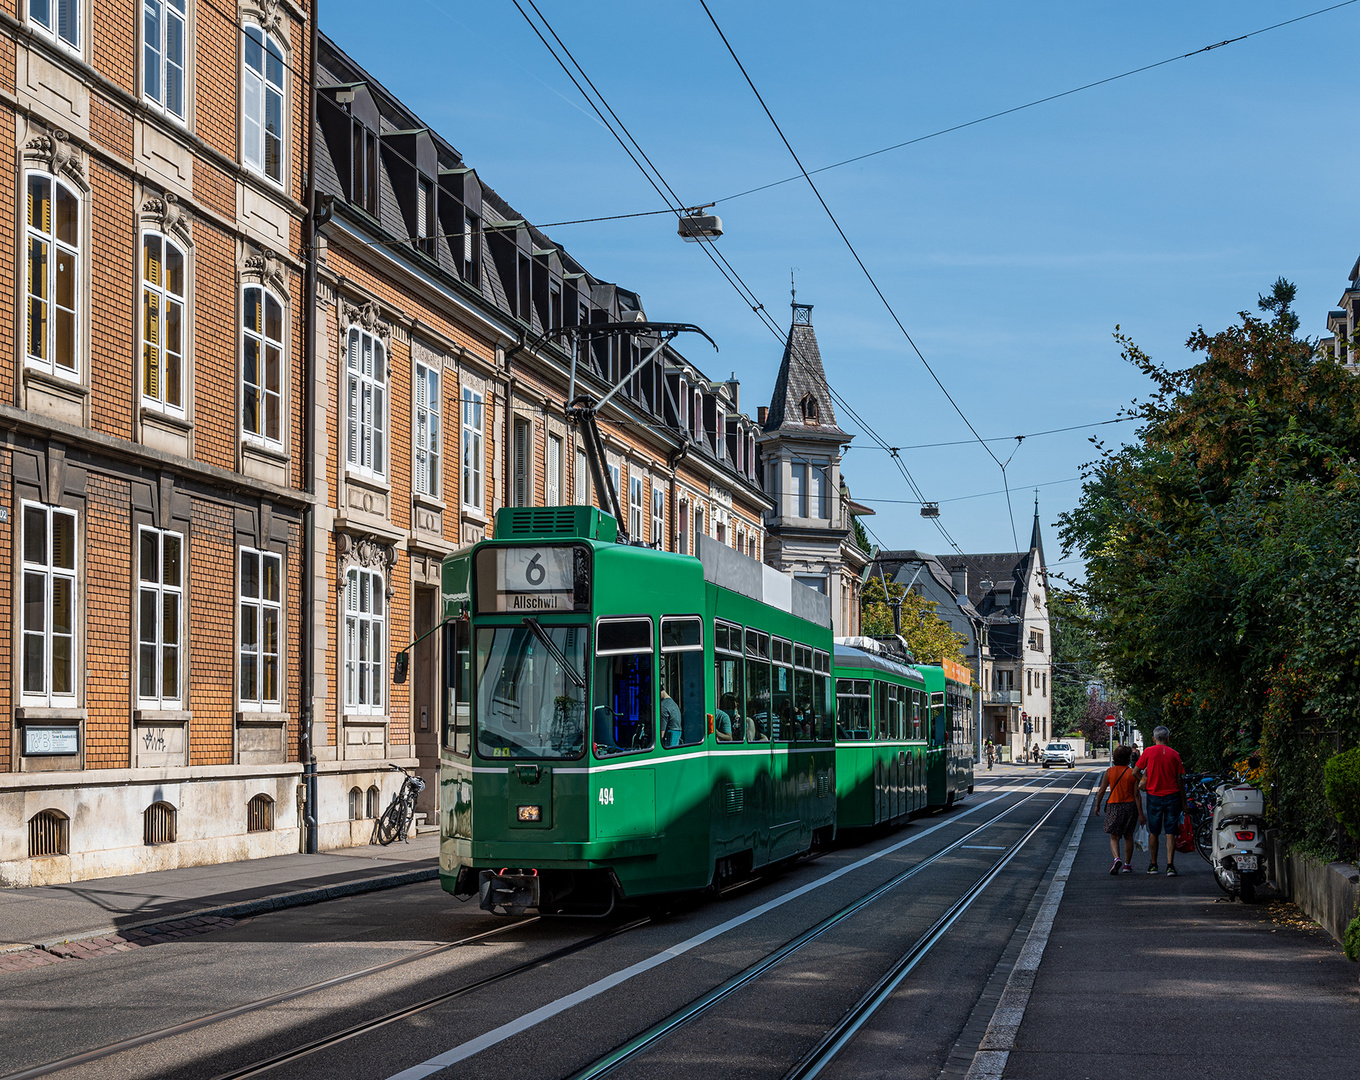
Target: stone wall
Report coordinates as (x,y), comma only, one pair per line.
(1328,893)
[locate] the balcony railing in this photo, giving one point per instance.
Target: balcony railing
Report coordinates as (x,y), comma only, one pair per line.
(1001,697)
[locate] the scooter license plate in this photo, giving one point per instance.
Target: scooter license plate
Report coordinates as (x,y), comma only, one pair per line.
(1246,862)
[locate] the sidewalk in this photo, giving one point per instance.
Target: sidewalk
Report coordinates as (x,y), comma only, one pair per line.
(50,914)
(1157,976)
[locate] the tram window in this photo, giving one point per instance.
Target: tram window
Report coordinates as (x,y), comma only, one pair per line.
(527,703)
(729,722)
(916,715)
(852,709)
(458,679)
(881,710)
(757,686)
(823,697)
(682,682)
(682,634)
(623,636)
(804,706)
(783,726)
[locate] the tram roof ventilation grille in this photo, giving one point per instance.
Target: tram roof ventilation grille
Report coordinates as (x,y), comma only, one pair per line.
(561,522)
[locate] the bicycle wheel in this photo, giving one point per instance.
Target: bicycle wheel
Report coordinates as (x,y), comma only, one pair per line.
(1204,838)
(389,825)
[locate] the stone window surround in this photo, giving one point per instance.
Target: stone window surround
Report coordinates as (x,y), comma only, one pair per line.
(185,122)
(365,316)
(50,151)
(363,553)
(263,268)
(434,359)
(46,478)
(269,16)
(162,213)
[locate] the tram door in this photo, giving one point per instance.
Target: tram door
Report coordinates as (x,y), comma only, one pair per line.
(786,832)
(883,769)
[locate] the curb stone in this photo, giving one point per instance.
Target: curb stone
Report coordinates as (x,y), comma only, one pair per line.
(262,905)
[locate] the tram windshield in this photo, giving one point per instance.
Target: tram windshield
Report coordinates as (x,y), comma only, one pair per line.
(529,705)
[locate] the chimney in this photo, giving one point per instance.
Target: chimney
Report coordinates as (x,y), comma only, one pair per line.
(762,415)
(960,577)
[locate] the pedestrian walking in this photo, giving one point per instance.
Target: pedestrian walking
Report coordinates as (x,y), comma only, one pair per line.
(1123,808)
(1162,774)
(991,755)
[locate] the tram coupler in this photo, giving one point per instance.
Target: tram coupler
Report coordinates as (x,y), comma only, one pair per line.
(509,892)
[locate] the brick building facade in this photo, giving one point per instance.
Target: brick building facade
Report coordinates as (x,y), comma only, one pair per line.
(237,440)
(150,434)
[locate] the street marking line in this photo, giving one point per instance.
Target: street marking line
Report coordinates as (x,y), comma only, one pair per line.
(989,1063)
(545,1012)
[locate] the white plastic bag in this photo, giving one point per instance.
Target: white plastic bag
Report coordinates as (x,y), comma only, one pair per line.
(1140,837)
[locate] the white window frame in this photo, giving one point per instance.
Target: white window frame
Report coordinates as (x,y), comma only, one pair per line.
(51,29)
(263,343)
(635,504)
(581,479)
(166,300)
(720,432)
(252,611)
(156,55)
(46,574)
(682,403)
(257,86)
(364,676)
(658,516)
(56,249)
(698,417)
(160,591)
(426,475)
(473,449)
(552,470)
(366,404)
(798,489)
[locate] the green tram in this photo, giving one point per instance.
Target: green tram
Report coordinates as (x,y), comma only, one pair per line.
(620,721)
(902,735)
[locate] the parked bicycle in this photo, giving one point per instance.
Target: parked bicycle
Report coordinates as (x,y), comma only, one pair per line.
(396,820)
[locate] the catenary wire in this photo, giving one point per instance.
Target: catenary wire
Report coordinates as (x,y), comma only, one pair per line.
(863,267)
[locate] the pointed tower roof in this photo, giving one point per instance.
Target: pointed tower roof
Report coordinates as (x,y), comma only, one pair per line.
(1036,542)
(801,403)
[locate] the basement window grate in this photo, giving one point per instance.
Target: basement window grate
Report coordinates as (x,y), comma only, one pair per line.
(158,824)
(260,814)
(49,833)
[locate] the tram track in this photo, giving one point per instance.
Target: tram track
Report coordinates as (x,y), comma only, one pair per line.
(363,1027)
(653,1036)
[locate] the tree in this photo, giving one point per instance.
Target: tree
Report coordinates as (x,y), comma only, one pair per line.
(1074,659)
(1221,555)
(929,637)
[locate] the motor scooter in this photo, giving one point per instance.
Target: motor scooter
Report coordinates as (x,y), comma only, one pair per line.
(1238,852)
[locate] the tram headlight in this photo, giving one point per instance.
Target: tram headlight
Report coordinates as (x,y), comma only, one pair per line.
(530,813)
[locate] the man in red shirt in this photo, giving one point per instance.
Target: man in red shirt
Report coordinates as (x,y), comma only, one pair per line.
(1165,801)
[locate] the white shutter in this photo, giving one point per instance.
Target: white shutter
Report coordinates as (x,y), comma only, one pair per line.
(421,203)
(552,479)
(352,420)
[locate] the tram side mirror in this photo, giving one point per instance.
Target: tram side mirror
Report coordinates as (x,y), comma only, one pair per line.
(399,673)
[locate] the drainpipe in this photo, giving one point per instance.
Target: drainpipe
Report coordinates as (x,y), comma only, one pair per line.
(309,238)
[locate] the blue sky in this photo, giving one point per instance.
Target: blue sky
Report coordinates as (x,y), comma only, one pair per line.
(1010,250)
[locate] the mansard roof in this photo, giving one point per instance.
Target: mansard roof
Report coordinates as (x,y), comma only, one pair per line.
(801,404)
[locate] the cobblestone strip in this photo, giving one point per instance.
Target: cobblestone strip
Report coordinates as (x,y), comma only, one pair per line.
(109,944)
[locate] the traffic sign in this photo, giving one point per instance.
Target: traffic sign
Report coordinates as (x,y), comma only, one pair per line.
(1110,721)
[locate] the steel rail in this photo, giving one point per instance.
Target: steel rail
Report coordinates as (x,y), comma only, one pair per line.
(633,1047)
(251,1006)
(834,1041)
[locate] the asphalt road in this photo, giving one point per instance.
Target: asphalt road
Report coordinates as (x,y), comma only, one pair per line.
(558,1018)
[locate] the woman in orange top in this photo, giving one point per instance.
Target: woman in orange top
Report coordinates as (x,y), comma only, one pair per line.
(1123,809)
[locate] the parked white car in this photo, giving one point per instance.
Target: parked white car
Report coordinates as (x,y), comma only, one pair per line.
(1059,753)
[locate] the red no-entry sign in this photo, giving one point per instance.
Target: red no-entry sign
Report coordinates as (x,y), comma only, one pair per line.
(1110,721)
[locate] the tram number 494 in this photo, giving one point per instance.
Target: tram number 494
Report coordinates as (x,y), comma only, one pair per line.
(606,796)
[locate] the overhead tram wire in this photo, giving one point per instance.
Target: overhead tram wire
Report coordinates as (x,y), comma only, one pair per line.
(658,182)
(846,239)
(979,120)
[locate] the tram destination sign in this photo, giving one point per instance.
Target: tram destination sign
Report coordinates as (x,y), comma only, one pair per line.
(532,580)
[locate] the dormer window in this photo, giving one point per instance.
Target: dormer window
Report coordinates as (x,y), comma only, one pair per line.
(698,415)
(682,403)
(751,455)
(808,407)
(363,191)
(720,433)
(426,230)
